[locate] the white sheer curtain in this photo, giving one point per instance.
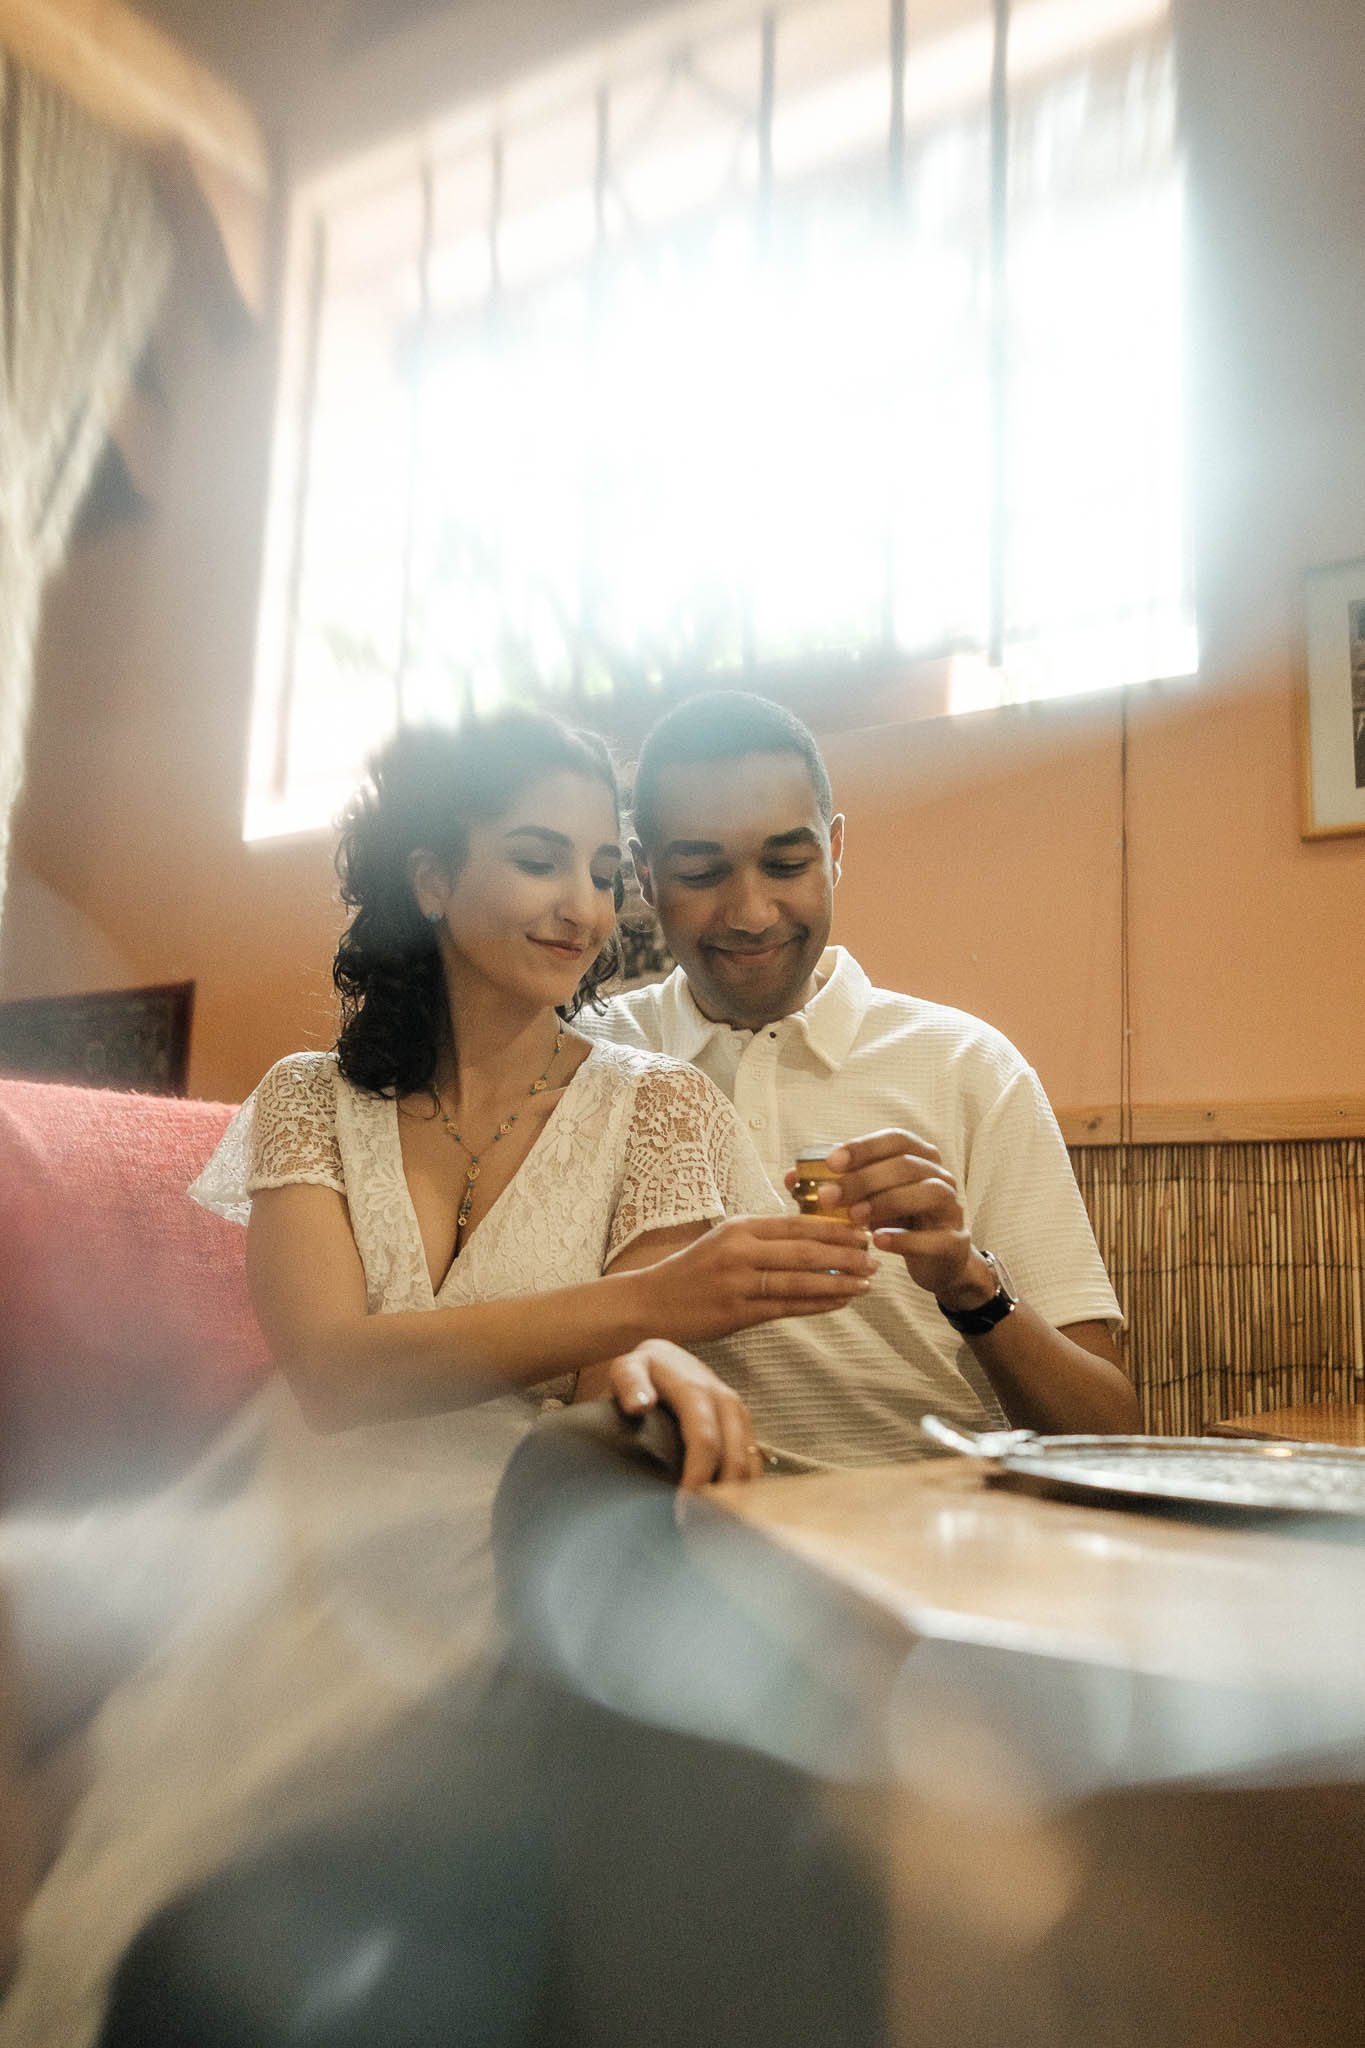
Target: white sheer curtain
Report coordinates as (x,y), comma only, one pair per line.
(83,261)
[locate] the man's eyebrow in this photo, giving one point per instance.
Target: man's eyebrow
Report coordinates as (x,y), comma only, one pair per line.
(800,835)
(561,840)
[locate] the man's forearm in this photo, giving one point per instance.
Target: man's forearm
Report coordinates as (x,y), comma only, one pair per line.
(1056,1381)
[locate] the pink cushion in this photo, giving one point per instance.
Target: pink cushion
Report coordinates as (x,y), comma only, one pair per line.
(128,1332)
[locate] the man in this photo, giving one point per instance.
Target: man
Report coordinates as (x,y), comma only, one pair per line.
(991,1302)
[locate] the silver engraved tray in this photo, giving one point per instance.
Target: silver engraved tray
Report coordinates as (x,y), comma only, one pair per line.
(1204,1471)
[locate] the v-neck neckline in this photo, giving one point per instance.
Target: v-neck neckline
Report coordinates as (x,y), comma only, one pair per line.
(415,1229)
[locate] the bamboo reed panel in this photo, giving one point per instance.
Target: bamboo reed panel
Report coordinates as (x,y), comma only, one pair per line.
(1240,1268)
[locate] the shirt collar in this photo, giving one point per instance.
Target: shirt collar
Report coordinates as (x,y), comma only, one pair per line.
(829,1022)
(833,1016)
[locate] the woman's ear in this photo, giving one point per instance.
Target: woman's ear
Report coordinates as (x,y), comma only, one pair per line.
(430,884)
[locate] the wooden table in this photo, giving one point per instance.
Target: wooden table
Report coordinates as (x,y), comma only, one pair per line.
(949,1555)
(1125,1802)
(1316,1422)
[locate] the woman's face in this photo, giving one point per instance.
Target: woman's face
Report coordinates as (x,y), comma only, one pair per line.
(532,905)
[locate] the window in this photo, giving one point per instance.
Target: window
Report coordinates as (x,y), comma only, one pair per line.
(841,331)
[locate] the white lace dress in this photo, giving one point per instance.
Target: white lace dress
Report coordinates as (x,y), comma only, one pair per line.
(350,1576)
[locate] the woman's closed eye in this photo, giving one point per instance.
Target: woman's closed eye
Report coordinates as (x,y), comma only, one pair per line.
(605,884)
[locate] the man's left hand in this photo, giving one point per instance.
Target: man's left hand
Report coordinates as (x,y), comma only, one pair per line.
(1053,1380)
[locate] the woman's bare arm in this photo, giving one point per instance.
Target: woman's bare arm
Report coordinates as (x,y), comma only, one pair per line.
(348,1366)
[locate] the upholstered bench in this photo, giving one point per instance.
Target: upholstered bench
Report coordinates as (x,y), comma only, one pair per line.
(128,1335)
(126,1342)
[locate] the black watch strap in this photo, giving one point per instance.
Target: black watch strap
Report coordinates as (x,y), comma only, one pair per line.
(975,1322)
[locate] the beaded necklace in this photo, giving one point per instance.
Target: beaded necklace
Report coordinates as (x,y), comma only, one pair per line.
(472,1170)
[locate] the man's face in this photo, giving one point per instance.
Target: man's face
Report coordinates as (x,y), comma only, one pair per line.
(741,871)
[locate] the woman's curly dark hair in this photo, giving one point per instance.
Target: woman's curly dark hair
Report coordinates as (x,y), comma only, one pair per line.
(426,788)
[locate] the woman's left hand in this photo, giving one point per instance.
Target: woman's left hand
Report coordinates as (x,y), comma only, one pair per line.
(717,1433)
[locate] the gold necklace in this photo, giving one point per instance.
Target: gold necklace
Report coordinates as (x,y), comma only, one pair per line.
(472,1170)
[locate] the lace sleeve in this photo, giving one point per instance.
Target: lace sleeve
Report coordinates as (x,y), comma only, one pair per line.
(283,1133)
(688,1159)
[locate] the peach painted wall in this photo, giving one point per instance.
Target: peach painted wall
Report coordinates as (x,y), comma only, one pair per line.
(983,869)
(983,864)
(49,948)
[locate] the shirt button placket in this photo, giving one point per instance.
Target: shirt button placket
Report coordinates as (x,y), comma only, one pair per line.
(756,1097)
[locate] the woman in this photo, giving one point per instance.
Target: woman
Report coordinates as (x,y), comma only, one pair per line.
(449,1217)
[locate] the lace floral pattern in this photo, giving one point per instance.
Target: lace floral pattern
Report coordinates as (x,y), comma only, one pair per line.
(285,1131)
(686,1156)
(638,1143)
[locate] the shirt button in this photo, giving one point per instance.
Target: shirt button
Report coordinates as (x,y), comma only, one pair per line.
(757,1123)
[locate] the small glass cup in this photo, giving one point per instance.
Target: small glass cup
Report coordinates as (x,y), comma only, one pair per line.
(811,1172)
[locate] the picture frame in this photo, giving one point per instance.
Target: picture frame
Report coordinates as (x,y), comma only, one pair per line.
(1332,703)
(126,1038)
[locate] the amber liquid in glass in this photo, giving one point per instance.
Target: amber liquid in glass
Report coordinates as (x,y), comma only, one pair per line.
(811,1173)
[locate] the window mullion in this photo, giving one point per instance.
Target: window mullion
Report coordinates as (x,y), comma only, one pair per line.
(312,323)
(895,141)
(426,201)
(998,357)
(895,180)
(597,295)
(763,215)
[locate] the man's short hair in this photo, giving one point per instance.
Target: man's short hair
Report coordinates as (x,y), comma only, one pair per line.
(722,725)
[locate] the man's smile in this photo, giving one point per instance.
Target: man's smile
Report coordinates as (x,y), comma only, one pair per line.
(768,950)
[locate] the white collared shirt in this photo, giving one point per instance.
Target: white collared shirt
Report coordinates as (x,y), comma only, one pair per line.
(849,1389)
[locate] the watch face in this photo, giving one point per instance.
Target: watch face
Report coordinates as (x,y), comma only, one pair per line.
(1002,1274)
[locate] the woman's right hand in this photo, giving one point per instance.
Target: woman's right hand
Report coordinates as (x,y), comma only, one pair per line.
(757,1269)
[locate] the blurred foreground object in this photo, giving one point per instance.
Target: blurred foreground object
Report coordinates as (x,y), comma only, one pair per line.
(588,1856)
(724,1794)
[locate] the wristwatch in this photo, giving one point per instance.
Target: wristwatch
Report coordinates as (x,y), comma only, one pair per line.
(974,1322)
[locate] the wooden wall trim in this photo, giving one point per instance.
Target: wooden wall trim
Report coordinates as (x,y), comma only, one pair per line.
(1208,1123)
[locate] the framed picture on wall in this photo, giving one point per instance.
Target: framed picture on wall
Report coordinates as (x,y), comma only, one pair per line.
(1332,720)
(136,1038)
